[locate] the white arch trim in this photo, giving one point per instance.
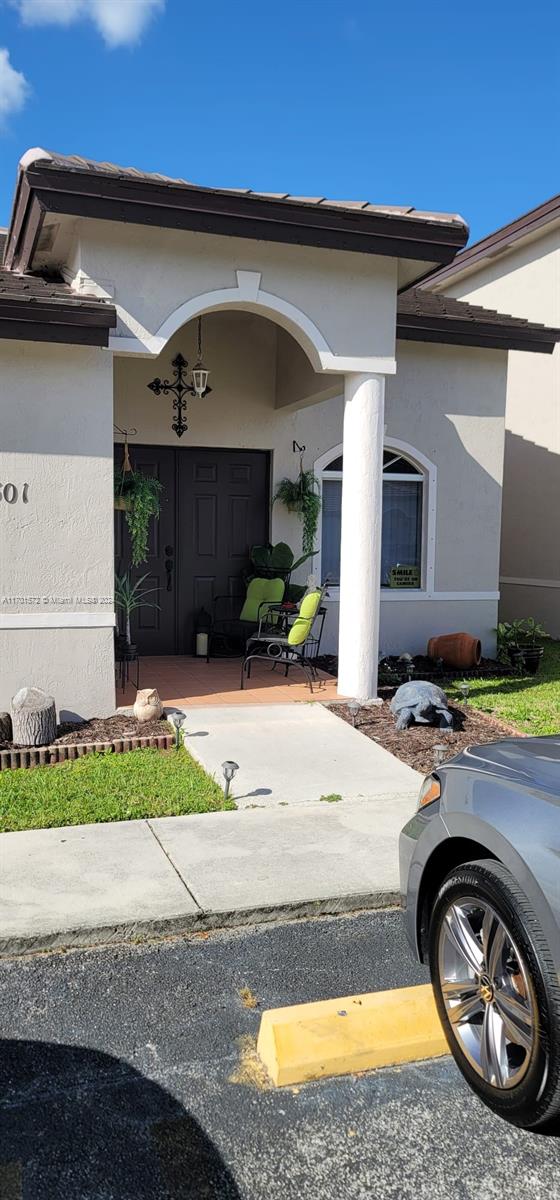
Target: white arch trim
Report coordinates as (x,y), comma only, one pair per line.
(429,471)
(248,296)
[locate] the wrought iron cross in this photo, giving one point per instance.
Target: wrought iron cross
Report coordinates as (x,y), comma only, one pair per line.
(179,388)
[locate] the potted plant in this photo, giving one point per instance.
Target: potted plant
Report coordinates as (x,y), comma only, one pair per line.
(521,642)
(271,561)
(138,496)
(302,496)
(532,635)
(507,638)
(128,598)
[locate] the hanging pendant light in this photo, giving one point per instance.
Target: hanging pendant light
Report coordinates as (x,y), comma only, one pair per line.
(199,372)
(179,387)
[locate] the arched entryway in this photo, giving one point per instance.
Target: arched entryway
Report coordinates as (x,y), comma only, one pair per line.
(218,477)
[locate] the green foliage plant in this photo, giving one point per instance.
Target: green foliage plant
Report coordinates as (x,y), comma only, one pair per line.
(139,495)
(302,496)
(276,560)
(519,634)
(130,596)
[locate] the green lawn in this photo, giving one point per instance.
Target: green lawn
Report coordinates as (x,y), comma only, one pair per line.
(107,787)
(532,702)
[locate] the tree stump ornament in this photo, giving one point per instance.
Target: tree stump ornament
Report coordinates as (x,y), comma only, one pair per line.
(33,718)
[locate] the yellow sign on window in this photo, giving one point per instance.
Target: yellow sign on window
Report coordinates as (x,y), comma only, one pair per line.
(404,577)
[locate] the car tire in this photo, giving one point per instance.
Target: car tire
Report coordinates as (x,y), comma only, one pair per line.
(497,992)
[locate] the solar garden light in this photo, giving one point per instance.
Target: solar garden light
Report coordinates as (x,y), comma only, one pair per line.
(440,754)
(464,689)
(229,768)
(407,665)
(177,719)
(354,707)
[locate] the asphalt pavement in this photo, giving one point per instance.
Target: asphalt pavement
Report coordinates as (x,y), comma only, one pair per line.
(128,1073)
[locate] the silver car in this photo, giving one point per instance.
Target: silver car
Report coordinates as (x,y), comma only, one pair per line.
(480,881)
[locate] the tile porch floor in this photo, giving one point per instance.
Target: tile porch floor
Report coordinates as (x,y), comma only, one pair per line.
(183,680)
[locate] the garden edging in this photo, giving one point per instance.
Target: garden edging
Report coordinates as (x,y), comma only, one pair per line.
(43,756)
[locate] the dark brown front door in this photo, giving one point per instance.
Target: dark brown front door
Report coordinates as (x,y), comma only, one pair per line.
(214,507)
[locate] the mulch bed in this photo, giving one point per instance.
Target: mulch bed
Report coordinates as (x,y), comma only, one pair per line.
(393,671)
(100,735)
(101,729)
(415,745)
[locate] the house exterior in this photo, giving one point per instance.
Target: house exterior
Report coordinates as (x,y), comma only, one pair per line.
(517,269)
(315,336)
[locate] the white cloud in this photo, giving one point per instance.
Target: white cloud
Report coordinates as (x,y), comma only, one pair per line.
(14,87)
(120,22)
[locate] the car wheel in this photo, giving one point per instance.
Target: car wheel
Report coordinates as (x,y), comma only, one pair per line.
(496,992)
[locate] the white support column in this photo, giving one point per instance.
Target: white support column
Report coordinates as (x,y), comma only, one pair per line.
(360,557)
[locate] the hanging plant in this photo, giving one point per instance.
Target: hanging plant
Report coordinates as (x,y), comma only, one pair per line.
(139,496)
(302,496)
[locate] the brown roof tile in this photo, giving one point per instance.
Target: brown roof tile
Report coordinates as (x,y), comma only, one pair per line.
(75,162)
(73,186)
(442,318)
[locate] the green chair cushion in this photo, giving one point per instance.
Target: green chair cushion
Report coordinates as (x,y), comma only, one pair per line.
(301,627)
(261,591)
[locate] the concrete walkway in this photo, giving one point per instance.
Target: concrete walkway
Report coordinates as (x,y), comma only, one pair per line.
(293,853)
(294,755)
(90,884)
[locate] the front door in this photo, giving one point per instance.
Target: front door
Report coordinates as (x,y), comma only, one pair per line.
(214,507)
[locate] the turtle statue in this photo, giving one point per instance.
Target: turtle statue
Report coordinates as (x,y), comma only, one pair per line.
(421,702)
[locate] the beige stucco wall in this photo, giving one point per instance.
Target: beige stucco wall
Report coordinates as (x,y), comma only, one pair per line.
(447,402)
(56,549)
(525,281)
(350,297)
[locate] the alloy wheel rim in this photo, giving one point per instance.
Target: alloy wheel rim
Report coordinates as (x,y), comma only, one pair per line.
(487,992)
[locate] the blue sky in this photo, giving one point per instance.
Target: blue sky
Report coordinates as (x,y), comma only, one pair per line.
(447,107)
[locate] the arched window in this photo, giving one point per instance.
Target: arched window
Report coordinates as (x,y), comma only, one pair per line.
(404,539)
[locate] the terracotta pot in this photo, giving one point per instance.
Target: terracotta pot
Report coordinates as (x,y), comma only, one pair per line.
(459,650)
(122,505)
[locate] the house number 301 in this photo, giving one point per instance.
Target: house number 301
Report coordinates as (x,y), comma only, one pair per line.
(10,493)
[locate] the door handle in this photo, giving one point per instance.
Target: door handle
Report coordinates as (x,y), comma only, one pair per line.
(169,572)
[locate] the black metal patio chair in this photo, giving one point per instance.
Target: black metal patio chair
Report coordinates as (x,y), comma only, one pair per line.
(235,618)
(296,640)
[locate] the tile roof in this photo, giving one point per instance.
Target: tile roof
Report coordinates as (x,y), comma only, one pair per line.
(442,318)
(415,301)
(499,241)
(44,308)
(75,162)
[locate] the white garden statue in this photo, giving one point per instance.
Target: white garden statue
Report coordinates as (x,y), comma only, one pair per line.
(147,706)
